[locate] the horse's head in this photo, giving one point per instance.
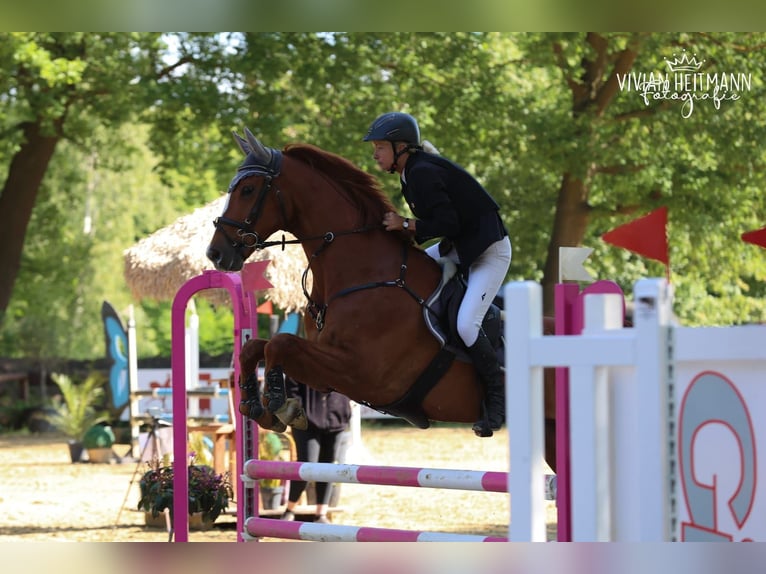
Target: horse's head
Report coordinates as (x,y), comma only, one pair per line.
(252,211)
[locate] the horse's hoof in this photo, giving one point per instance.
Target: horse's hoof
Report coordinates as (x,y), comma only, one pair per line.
(300,422)
(291,413)
(482,429)
(252,409)
(278,426)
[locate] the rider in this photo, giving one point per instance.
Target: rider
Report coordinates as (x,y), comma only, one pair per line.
(449,203)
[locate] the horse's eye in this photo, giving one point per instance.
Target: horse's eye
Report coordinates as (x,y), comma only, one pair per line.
(247,190)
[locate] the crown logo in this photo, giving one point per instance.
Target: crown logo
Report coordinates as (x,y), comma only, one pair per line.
(684,64)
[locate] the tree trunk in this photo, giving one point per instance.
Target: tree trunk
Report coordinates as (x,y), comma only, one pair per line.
(592,91)
(25,173)
(569,227)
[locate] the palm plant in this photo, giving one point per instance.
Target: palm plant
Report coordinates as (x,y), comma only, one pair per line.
(75,410)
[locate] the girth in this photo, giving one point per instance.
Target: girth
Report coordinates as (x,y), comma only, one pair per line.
(410,406)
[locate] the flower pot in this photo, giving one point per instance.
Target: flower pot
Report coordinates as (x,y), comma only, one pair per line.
(195,521)
(271,498)
(75,450)
(101,455)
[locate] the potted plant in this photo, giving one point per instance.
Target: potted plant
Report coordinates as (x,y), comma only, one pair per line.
(209,493)
(98,441)
(75,409)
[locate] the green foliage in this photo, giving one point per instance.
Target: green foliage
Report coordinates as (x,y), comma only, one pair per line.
(77,410)
(68,269)
(215,326)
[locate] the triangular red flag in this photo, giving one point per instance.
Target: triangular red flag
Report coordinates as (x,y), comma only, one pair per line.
(646,235)
(252,276)
(757,237)
(265,308)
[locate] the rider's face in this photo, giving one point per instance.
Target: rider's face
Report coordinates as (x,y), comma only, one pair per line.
(382,154)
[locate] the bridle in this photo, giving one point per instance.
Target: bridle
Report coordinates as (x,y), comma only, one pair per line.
(246,238)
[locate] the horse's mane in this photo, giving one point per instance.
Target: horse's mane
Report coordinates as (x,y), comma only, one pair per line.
(361,188)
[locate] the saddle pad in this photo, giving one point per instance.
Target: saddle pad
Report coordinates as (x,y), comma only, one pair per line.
(435,310)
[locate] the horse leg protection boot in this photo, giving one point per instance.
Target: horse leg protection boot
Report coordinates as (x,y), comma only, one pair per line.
(492,377)
(250,404)
(275,391)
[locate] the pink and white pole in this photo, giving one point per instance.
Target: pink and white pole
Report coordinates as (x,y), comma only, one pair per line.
(269,527)
(481,481)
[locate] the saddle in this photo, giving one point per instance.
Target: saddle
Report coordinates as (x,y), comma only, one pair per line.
(440,315)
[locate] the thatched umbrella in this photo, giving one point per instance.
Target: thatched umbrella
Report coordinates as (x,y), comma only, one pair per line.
(158,265)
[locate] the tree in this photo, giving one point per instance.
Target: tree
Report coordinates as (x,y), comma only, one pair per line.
(626,154)
(58,87)
(51,82)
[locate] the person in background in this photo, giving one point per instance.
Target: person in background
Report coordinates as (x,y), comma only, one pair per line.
(451,204)
(328,415)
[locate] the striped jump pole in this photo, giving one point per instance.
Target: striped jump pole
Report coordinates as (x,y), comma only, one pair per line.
(272,528)
(380,475)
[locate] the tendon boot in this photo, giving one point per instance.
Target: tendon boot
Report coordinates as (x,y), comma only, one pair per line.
(492,377)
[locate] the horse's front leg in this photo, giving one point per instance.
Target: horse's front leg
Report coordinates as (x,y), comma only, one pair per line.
(287,411)
(251,404)
(306,362)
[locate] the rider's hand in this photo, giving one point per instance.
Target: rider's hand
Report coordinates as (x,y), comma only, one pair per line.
(392,221)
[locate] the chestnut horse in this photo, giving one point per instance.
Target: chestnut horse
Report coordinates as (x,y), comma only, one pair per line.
(365,332)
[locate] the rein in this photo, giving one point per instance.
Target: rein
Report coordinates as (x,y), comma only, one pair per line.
(318,311)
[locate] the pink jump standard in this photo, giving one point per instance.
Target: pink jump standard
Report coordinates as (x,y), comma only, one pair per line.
(245,324)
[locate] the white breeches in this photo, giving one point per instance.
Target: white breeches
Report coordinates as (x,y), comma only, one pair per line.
(485,278)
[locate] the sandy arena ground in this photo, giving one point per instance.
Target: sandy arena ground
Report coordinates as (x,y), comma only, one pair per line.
(44,497)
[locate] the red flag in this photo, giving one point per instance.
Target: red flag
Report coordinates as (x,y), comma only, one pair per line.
(757,237)
(646,235)
(265,308)
(252,276)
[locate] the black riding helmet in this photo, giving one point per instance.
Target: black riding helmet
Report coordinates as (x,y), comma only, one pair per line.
(395,127)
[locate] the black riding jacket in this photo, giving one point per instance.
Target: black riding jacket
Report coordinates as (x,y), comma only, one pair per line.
(449,202)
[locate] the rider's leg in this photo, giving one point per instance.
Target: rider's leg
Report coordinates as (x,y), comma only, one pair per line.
(485,278)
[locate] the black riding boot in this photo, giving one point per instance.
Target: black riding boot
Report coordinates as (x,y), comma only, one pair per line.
(492,377)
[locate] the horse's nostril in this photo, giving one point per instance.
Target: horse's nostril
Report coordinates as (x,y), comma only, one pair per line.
(213,254)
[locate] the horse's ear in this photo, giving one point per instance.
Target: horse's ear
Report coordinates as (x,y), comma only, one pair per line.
(241,142)
(257,148)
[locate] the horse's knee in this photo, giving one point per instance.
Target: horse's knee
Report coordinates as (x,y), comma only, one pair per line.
(251,352)
(280,346)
